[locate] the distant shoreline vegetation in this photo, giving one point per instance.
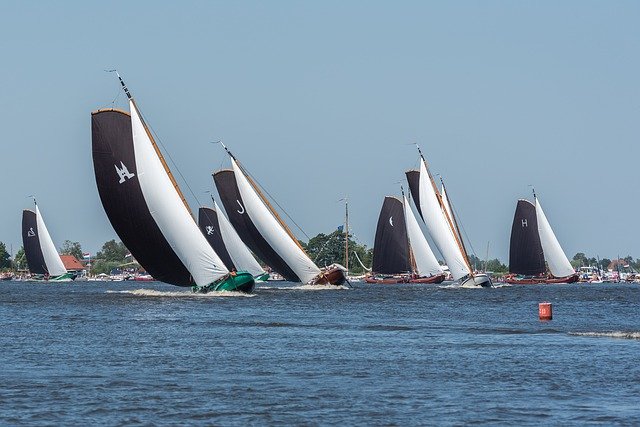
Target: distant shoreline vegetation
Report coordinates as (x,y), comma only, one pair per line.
(323,249)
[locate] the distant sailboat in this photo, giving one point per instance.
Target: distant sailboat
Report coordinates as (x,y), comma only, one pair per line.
(532,243)
(225,241)
(42,257)
(147,209)
(264,232)
(442,226)
(401,254)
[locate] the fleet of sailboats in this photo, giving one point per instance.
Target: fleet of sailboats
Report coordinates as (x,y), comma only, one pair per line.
(232,252)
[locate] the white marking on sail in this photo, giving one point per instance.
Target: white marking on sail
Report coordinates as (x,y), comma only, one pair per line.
(272,231)
(557,261)
(170,213)
(439,228)
(238,251)
(54,264)
(426,262)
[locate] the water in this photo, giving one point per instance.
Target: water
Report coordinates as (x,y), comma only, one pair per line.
(150,353)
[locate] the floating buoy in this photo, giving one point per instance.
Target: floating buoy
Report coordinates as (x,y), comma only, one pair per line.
(545,311)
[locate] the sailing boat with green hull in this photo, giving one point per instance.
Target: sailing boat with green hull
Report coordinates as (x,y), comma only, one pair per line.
(147,209)
(42,257)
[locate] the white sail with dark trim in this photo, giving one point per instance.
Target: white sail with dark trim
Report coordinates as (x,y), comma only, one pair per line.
(238,251)
(54,264)
(426,262)
(557,261)
(170,212)
(272,231)
(439,227)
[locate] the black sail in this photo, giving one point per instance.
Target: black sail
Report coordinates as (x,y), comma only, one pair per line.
(525,252)
(31,243)
(391,246)
(413,178)
(208,223)
(123,201)
(233,204)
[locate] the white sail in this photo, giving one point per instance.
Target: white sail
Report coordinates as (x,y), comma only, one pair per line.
(439,228)
(54,264)
(557,261)
(272,231)
(238,251)
(426,262)
(169,212)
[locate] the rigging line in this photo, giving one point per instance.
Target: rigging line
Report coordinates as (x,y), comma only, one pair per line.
(168,154)
(277,204)
(455,212)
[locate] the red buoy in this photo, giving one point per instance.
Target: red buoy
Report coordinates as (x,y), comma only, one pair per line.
(545,311)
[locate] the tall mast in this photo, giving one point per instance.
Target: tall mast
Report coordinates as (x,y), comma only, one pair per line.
(155,146)
(346,233)
(264,199)
(453,227)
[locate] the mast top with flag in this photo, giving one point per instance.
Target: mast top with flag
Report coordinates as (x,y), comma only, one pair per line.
(124,86)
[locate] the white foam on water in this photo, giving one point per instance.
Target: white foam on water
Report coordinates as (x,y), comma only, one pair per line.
(180,294)
(502,285)
(611,334)
(321,288)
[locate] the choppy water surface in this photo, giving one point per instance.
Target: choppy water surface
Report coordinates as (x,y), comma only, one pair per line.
(129,353)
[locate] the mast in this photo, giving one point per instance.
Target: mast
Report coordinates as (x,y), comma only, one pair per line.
(346,233)
(454,229)
(264,199)
(154,144)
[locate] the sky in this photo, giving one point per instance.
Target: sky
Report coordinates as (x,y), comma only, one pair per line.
(322,100)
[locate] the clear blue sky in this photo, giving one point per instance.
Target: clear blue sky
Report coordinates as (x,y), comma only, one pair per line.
(320,99)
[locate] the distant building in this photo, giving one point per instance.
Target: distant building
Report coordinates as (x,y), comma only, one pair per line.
(71,263)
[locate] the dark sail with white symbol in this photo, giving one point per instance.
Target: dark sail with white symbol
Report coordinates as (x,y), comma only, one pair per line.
(145,205)
(391,246)
(226,242)
(525,253)
(250,202)
(234,206)
(42,255)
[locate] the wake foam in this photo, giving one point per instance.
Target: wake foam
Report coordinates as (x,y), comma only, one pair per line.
(179,294)
(611,334)
(320,288)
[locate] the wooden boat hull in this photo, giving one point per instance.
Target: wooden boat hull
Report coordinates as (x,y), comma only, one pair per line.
(541,280)
(332,275)
(387,280)
(433,279)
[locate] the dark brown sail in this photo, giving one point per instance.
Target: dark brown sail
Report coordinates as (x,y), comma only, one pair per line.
(208,223)
(413,178)
(123,201)
(234,206)
(31,243)
(525,253)
(391,246)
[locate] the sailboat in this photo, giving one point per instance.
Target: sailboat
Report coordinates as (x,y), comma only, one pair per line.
(534,247)
(264,232)
(401,253)
(42,257)
(225,241)
(147,209)
(442,226)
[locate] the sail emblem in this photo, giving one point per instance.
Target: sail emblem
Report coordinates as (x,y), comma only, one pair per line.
(241,207)
(209,229)
(123,173)
(391,220)
(524,223)
(31,233)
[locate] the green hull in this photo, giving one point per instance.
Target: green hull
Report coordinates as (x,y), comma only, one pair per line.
(262,278)
(67,277)
(238,282)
